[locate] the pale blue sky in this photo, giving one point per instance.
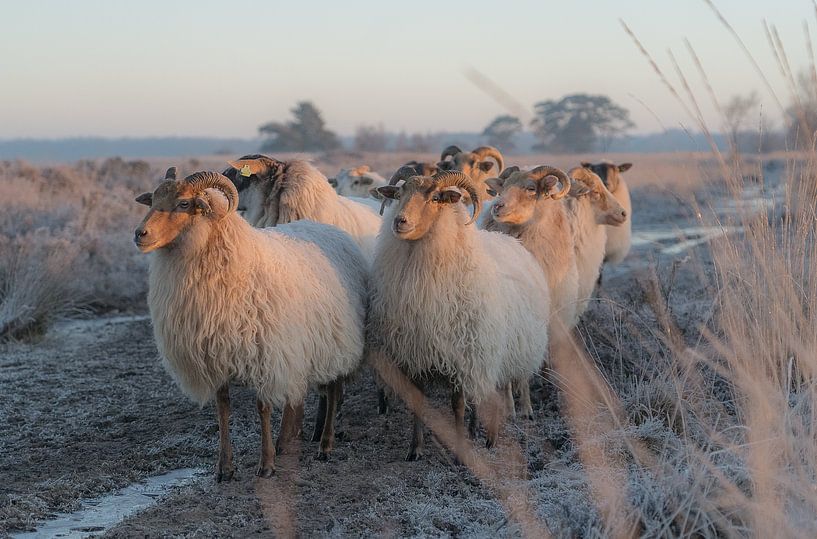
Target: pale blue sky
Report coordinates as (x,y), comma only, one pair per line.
(153,67)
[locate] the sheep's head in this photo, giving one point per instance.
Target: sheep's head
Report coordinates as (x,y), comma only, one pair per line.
(255,177)
(420,200)
(475,164)
(519,192)
(606,208)
(423,169)
(177,205)
(356,181)
(608,172)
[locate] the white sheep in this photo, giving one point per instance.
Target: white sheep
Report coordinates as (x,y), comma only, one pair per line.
(620,237)
(451,302)
(529,207)
(274,192)
(356,182)
(590,207)
(277,310)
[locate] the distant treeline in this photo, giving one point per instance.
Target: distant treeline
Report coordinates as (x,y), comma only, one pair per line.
(71,149)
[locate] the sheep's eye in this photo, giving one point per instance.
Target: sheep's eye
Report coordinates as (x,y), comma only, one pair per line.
(184,205)
(436,197)
(356,182)
(531,189)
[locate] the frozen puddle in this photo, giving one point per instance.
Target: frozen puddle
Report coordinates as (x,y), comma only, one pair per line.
(100,514)
(678,240)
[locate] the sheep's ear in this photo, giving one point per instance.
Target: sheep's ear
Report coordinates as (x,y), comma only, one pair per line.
(486,166)
(333,182)
(450,196)
(586,164)
(203,205)
(388,191)
(145,198)
(624,167)
(170,174)
(495,184)
(578,188)
(374,193)
(248,167)
(547,185)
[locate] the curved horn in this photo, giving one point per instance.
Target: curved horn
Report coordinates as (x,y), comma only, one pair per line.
(206,180)
(540,172)
(403,173)
(458,179)
(490,151)
(450,152)
(508,171)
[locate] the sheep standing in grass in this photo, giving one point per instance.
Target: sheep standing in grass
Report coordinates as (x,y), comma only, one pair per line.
(277,310)
(619,237)
(450,302)
(356,182)
(590,207)
(275,192)
(529,207)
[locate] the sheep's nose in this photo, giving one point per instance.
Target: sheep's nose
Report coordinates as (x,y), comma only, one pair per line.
(139,234)
(499,205)
(623,214)
(400,220)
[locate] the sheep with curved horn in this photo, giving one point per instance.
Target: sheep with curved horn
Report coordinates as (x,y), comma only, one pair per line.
(277,310)
(529,207)
(452,303)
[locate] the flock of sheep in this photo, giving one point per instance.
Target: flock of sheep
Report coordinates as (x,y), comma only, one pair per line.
(473,273)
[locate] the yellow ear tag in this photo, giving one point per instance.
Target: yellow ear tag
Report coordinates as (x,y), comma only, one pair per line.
(245,171)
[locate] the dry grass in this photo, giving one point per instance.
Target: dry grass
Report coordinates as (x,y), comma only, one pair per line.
(65,241)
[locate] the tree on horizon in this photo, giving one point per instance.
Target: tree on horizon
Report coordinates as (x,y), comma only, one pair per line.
(578,123)
(306,132)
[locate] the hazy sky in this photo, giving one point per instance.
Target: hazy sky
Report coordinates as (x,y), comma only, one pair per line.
(117,68)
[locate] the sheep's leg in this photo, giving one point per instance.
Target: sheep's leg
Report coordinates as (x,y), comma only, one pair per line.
(417,436)
(333,391)
(291,425)
(490,411)
(266,467)
(458,407)
(320,417)
(473,422)
(225,469)
(509,401)
(382,401)
(524,399)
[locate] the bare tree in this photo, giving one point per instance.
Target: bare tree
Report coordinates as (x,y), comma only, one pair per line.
(737,112)
(501,132)
(370,138)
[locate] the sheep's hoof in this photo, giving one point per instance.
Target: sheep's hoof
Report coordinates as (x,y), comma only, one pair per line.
(414,455)
(223,476)
(265,471)
(322,456)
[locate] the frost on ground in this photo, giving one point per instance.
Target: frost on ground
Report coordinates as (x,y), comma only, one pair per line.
(89,409)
